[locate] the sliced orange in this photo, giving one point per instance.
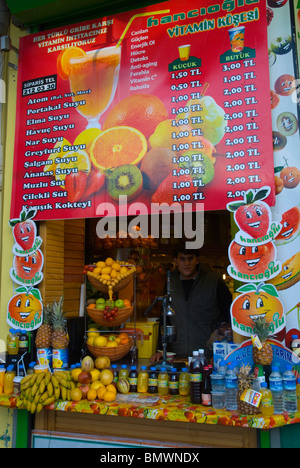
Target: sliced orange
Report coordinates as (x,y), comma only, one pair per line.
(63,60)
(117,146)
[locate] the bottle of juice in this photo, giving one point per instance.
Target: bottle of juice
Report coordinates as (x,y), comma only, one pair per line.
(123,373)
(174,382)
(163,382)
(142,383)
(12,342)
(115,372)
(8,384)
(196,371)
(2,374)
(152,381)
(298,394)
(184,382)
(133,379)
(266,403)
(206,387)
(30,369)
(23,342)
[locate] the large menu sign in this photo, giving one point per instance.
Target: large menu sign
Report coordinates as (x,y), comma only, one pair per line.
(167,104)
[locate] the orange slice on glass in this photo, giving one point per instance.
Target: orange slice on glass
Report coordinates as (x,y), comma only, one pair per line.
(63,60)
(117,146)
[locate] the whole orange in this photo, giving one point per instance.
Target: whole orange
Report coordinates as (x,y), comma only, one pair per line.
(141,111)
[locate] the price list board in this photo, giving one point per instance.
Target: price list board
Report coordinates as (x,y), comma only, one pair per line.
(168,104)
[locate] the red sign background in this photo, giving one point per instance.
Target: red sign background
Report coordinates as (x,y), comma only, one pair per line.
(237,82)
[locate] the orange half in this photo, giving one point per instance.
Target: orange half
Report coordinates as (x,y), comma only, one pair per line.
(117,146)
(63,60)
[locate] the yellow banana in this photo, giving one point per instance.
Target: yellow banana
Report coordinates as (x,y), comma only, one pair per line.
(28,405)
(62,381)
(29,382)
(34,389)
(49,401)
(50,389)
(27,393)
(40,377)
(43,397)
(39,407)
(42,386)
(69,395)
(47,377)
(72,384)
(20,402)
(32,407)
(26,379)
(63,392)
(57,392)
(54,381)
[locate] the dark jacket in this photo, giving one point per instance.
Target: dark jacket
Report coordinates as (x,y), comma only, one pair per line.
(200,306)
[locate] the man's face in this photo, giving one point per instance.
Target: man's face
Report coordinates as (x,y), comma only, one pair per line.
(186,265)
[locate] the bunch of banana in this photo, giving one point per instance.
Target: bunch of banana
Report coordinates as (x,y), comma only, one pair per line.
(39,390)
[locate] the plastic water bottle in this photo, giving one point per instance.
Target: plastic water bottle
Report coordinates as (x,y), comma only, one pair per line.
(289,390)
(222,369)
(231,389)
(276,387)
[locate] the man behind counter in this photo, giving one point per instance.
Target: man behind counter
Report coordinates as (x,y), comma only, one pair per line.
(201,302)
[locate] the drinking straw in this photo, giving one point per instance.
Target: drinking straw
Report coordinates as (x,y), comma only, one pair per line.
(139,15)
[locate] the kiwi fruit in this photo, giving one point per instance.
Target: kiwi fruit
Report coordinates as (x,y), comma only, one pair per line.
(279,141)
(287,123)
(125,180)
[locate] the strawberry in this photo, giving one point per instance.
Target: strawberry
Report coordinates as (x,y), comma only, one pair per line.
(174,185)
(24,229)
(252,215)
(95,182)
(75,185)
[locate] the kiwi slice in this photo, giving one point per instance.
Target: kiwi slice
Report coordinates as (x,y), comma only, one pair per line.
(287,123)
(125,180)
(279,141)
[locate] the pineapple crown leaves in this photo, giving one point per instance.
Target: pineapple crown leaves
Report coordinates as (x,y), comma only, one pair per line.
(34,291)
(24,216)
(267,288)
(250,197)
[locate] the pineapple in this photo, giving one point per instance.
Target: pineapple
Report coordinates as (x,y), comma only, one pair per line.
(245,381)
(44,332)
(263,356)
(60,338)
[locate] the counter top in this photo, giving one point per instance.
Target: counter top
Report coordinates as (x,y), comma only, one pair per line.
(170,408)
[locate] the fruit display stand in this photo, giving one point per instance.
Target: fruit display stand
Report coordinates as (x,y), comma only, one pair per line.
(171,419)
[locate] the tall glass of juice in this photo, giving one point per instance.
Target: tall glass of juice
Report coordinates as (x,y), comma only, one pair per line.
(93,80)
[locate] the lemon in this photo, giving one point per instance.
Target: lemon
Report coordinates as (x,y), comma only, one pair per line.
(105,277)
(106,270)
(93,332)
(75,373)
(100,264)
(109,261)
(90,340)
(87,137)
(123,270)
(100,341)
(112,344)
(100,392)
(96,384)
(116,266)
(95,373)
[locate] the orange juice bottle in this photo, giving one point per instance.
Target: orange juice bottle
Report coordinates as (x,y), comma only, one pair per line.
(12,342)
(8,384)
(266,403)
(2,373)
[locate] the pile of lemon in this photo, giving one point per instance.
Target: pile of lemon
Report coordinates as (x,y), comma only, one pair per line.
(110,272)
